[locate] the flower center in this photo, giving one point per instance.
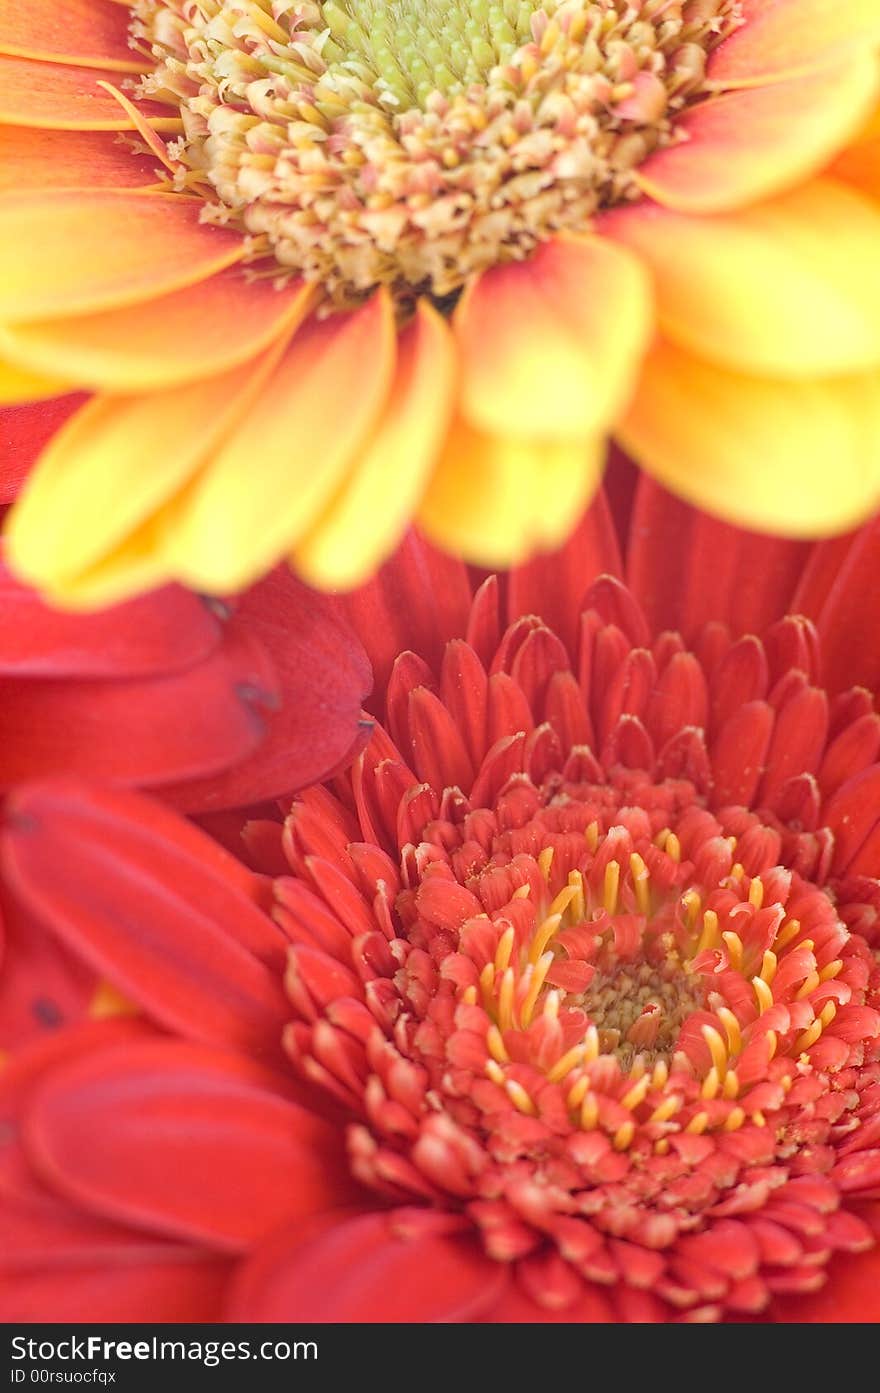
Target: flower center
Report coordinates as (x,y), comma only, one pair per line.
(414,143)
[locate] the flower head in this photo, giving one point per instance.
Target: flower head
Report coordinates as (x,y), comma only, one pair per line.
(567,1007)
(369,262)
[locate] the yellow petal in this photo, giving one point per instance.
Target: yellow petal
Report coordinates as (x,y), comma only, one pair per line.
(497,500)
(794,458)
(196,332)
(781,38)
(758,141)
(790,288)
(112,465)
(550,347)
(62,254)
(276,473)
(19,385)
(375,503)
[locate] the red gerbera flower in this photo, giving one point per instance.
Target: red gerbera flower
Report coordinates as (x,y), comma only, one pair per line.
(567,1005)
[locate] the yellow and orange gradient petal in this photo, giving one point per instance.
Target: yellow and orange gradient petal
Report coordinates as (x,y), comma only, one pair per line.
(724,326)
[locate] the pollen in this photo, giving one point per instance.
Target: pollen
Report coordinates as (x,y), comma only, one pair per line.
(413,143)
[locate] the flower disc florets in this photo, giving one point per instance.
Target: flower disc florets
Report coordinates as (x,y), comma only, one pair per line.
(593,1014)
(413,144)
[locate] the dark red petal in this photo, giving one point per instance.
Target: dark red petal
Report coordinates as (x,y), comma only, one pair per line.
(687,568)
(321,678)
(153,905)
(851,1294)
(418,600)
(140,731)
(739,753)
(847,626)
(42,984)
(184,1286)
(551,586)
(361,1270)
(24,430)
(163,632)
(798,740)
(191,1142)
(851,813)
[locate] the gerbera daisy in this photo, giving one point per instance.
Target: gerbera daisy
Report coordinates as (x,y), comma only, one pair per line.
(374,261)
(566,1007)
(210,704)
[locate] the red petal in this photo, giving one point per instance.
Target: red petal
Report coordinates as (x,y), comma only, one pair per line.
(687,568)
(165,631)
(360,1270)
(850,640)
(739,754)
(24,430)
(155,906)
(188,1141)
(850,1294)
(322,674)
(42,985)
(549,585)
(418,600)
(851,813)
(143,731)
(180,1287)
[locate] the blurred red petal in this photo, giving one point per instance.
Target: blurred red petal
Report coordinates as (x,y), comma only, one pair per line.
(323,676)
(687,568)
(155,906)
(187,1141)
(359,1270)
(24,430)
(166,631)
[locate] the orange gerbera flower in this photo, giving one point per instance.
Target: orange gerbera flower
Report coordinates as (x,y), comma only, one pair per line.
(370,262)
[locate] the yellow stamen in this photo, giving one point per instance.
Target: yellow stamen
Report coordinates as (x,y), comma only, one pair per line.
(641,885)
(698,1124)
(636,1094)
(769,964)
(612,884)
(734,949)
(756,893)
(496,1045)
(520,1099)
(623,1136)
(545,861)
(763,994)
(731,1027)
(504,949)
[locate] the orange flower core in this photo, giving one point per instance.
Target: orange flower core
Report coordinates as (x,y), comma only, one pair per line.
(416,142)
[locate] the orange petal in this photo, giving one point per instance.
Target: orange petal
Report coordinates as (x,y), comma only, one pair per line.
(781,38)
(112,465)
(757,141)
(374,505)
(61,254)
(199,331)
(86,32)
(498,499)
(860,164)
(52,97)
(550,347)
(793,458)
(55,160)
(789,288)
(276,473)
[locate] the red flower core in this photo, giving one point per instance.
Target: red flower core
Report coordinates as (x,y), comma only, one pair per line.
(607,1013)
